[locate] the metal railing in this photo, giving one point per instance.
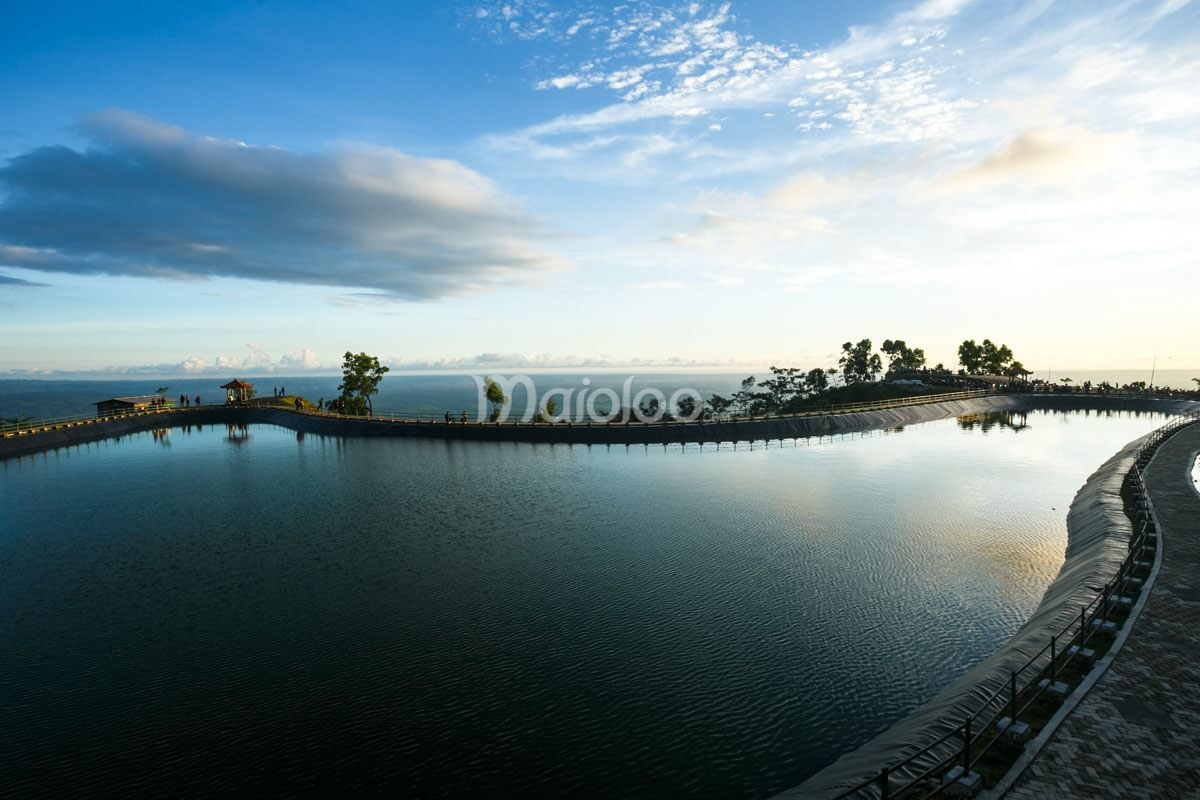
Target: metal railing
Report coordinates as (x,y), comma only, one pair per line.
(26,427)
(840,408)
(972,739)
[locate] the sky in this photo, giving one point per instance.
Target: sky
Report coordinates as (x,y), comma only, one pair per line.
(205,188)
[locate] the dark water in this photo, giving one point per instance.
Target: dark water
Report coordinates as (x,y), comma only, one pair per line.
(236,612)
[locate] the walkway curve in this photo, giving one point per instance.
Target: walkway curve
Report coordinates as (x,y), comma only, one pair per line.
(617,434)
(1134,735)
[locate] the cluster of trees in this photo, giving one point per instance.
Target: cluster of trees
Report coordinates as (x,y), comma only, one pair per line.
(792,389)
(988,357)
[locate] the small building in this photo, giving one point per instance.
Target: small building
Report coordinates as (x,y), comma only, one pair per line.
(116,405)
(237,391)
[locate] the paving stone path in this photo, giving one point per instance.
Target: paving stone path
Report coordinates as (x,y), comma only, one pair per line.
(1137,733)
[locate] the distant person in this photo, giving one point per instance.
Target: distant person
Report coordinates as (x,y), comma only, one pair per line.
(197,399)
(182,401)
(321,404)
(299,404)
(282,392)
(447,417)
(463,418)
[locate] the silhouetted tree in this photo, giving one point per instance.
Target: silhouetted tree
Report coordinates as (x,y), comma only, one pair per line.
(970,356)
(858,363)
(718,405)
(816,381)
(901,356)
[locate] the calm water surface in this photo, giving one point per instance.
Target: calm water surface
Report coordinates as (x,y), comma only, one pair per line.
(225,611)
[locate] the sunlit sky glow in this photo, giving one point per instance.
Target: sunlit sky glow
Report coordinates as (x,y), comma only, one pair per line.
(222,188)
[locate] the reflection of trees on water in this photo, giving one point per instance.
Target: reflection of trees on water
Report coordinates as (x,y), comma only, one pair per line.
(1013,420)
(238,433)
(1019,420)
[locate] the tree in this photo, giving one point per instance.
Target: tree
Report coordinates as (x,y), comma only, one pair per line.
(816,381)
(649,408)
(785,384)
(686,406)
(361,375)
(1065,381)
(718,405)
(494,395)
(970,356)
(996,358)
(547,414)
(858,363)
(901,357)
(1197,382)
(743,399)
(985,357)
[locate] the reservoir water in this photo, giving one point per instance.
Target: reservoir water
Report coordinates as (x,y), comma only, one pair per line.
(237,611)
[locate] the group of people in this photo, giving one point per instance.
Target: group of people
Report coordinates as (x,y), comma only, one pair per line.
(279,391)
(450,418)
(185,401)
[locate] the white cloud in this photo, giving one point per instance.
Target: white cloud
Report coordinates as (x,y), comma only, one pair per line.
(935,9)
(1039,157)
(146,199)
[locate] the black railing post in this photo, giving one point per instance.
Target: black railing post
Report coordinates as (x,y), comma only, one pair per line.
(885,781)
(1053,658)
(967,747)
(1082,626)
(1012,697)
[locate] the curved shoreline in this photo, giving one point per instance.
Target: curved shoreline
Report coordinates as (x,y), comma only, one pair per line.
(617,434)
(1098,534)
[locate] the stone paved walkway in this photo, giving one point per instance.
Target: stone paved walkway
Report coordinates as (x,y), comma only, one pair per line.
(1137,733)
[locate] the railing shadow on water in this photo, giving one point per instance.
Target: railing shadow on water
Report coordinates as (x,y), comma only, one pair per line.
(924,773)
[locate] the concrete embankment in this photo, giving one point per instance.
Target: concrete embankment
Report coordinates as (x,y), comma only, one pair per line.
(633,433)
(1098,535)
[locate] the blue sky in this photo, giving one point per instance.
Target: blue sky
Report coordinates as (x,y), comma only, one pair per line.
(199,188)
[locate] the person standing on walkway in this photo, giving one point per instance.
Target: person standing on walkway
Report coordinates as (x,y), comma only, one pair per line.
(197,399)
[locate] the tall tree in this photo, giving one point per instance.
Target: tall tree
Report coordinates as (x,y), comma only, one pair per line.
(901,357)
(996,357)
(859,363)
(744,398)
(361,375)
(816,381)
(970,356)
(494,395)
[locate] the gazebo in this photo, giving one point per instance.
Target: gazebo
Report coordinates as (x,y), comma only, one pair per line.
(1018,373)
(237,391)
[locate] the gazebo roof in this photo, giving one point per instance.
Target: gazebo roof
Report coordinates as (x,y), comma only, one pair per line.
(236,384)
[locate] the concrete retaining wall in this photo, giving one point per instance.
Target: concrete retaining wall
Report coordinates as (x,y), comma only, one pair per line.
(663,433)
